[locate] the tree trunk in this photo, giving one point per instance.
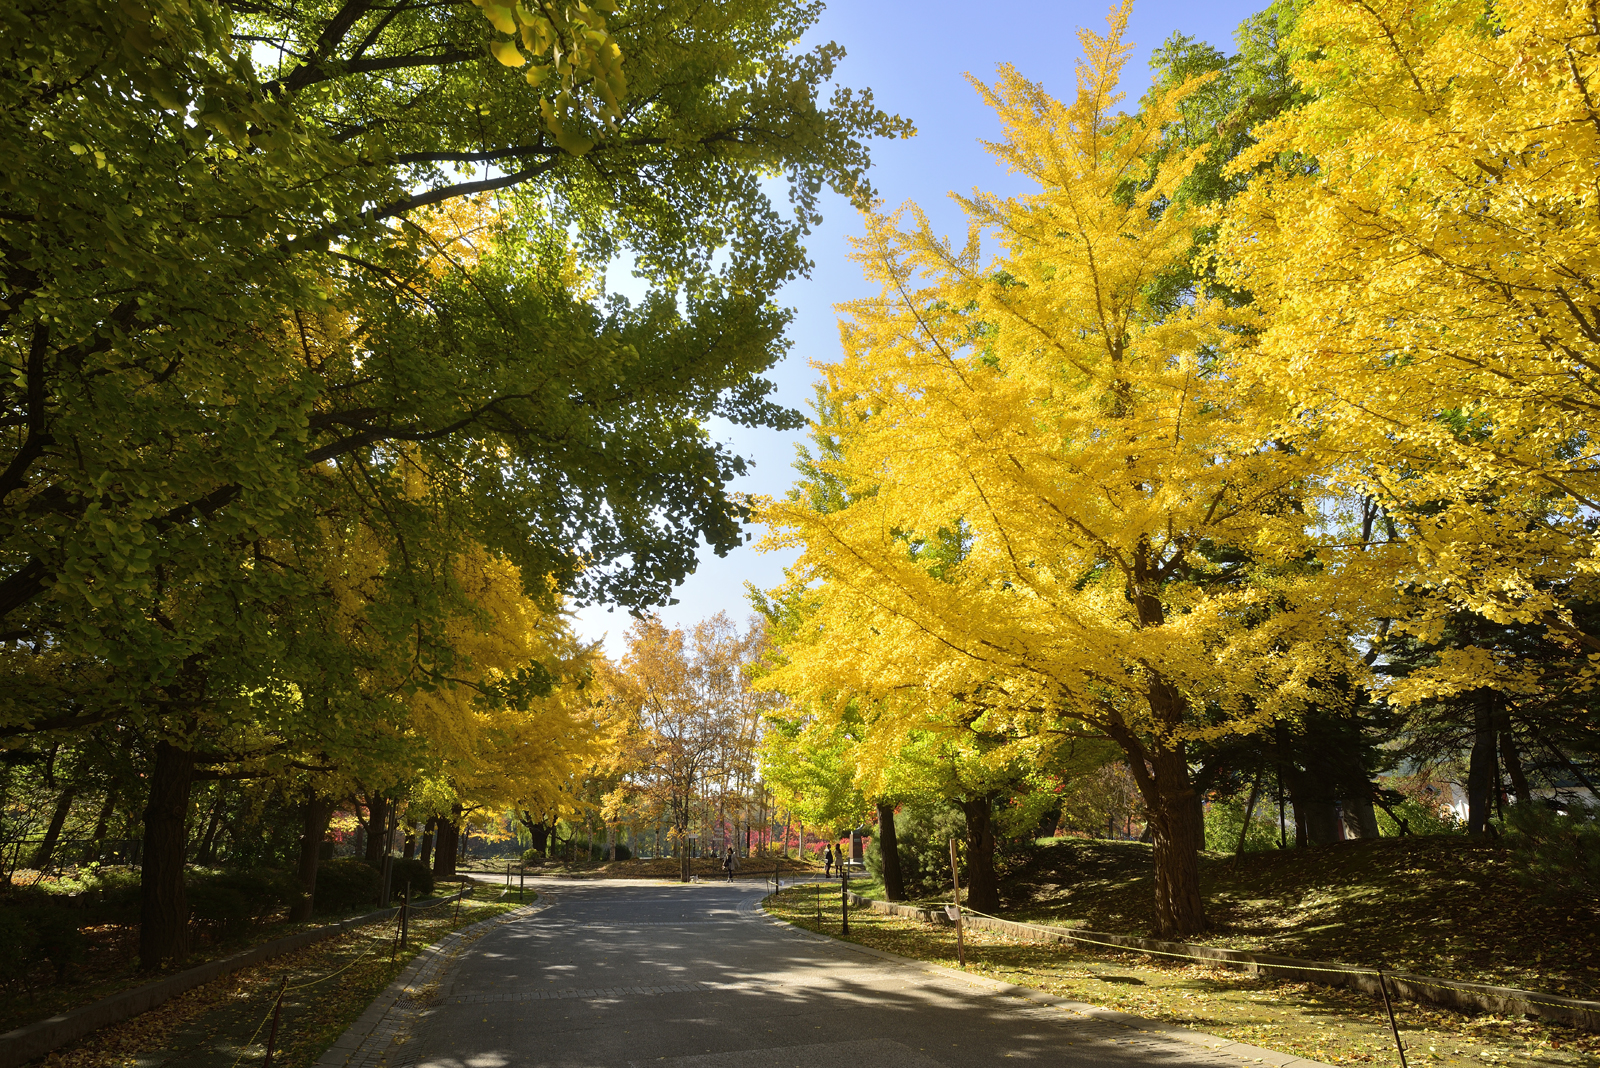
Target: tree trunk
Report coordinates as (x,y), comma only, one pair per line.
(1483,768)
(539,837)
(206,852)
(410,849)
(1319,795)
(377,825)
(428,829)
(1180,910)
(1510,756)
(894,887)
(685,862)
(983,891)
(449,840)
(58,819)
(1249,811)
(1295,780)
(163,907)
(313,829)
(97,848)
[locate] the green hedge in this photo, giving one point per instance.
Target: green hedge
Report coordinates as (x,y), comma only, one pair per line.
(417,873)
(344,884)
(232,900)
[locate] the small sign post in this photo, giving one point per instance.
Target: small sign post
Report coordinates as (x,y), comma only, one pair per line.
(955,881)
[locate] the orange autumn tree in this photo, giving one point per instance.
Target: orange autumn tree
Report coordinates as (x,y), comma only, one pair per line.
(1068,510)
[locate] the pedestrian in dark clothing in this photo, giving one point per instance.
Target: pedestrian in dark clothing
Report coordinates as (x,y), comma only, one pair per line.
(827,862)
(727,864)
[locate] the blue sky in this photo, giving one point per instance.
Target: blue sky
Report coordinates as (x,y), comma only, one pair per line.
(915,58)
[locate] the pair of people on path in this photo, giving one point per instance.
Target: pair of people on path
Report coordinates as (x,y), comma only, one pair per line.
(831,855)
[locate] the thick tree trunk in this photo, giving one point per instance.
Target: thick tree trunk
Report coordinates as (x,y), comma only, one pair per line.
(1180,910)
(894,886)
(1318,796)
(1483,770)
(539,836)
(377,826)
(58,819)
(313,829)
(410,849)
(983,890)
(449,841)
(163,907)
(426,852)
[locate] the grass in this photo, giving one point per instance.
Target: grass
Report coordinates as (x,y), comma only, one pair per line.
(1449,907)
(1330,1025)
(225,1022)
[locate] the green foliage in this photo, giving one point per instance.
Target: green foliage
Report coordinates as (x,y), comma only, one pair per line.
(345,883)
(16,945)
(33,935)
(1557,855)
(234,899)
(922,838)
(1225,819)
(412,871)
(1420,818)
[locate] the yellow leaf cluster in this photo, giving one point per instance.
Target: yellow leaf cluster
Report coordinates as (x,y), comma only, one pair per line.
(1423,241)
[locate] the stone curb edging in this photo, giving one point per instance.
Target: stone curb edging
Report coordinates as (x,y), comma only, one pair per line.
(369,1040)
(36,1039)
(1454,994)
(1214,1043)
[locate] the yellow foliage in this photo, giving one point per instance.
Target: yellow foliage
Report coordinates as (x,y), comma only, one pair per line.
(1426,263)
(1067,501)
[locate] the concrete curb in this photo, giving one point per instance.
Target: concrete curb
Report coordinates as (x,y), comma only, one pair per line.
(370,1039)
(1214,1043)
(1470,998)
(36,1039)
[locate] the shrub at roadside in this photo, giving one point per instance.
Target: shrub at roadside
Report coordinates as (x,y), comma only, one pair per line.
(30,936)
(345,883)
(1556,855)
(231,901)
(414,872)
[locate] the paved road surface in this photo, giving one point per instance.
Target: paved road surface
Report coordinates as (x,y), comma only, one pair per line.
(629,974)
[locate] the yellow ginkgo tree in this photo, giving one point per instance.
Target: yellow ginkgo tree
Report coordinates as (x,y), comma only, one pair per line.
(1422,238)
(1068,510)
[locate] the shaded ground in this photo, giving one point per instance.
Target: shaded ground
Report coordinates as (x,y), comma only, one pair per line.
(1442,906)
(1330,1025)
(225,1023)
(618,975)
(111,964)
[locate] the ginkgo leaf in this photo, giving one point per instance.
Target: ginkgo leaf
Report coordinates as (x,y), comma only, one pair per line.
(501,17)
(507,53)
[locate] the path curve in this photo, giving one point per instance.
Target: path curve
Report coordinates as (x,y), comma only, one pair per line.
(636,973)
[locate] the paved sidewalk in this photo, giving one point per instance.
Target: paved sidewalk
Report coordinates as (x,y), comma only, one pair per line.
(371,1039)
(697,976)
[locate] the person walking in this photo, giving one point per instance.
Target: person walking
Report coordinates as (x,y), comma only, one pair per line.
(827,861)
(727,864)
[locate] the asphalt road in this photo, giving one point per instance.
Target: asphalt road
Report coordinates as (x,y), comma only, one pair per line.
(624,974)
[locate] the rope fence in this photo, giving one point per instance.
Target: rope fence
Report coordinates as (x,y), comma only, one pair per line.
(1463,996)
(1380,974)
(381,937)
